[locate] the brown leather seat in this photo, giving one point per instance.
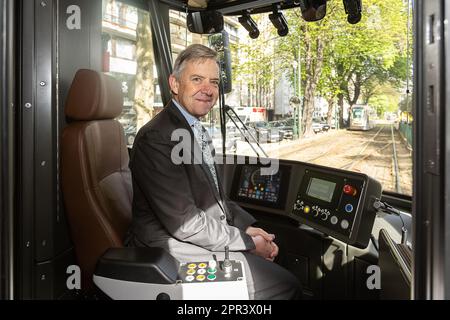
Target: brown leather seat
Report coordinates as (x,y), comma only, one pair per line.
(96,180)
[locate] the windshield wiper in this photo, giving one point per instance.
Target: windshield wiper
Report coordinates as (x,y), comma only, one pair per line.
(227,109)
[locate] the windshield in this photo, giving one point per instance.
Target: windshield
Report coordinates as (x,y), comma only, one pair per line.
(260,124)
(357,113)
(305,83)
(365,64)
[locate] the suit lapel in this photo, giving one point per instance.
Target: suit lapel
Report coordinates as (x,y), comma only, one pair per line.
(196,152)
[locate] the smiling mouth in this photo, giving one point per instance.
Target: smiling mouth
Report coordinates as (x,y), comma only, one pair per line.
(204,101)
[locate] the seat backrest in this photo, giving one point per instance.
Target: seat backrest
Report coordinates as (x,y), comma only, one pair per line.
(96,180)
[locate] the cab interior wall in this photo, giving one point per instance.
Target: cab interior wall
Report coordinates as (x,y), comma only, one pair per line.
(328,268)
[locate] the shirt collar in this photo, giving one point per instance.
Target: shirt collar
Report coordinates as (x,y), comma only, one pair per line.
(189,117)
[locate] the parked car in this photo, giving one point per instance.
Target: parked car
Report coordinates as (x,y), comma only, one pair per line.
(284,126)
(325,126)
(320,127)
(263,132)
(216,136)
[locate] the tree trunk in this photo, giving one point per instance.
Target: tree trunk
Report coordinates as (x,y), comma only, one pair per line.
(253,93)
(249,95)
(341,110)
(144,87)
(240,94)
(330,111)
(308,109)
(313,71)
(356,89)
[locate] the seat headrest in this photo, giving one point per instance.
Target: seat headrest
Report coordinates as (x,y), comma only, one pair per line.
(94,96)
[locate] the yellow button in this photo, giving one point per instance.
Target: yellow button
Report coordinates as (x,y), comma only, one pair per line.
(192,266)
(190,271)
(202,265)
(200,277)
(306,209)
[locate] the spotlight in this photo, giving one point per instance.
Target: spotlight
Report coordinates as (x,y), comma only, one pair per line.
(353,10)
(313,10)
(250,25)
(279,22)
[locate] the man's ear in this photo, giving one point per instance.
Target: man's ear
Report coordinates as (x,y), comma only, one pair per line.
(173,83)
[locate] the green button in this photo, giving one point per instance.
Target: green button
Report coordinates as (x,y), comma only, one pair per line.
(211,277)
(212,270)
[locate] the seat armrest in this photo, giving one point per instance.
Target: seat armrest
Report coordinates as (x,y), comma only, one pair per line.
(144,265)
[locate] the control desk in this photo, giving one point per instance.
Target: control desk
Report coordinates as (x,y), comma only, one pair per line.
(151,273)
(335,202)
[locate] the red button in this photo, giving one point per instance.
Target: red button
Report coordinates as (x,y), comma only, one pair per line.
(351,191)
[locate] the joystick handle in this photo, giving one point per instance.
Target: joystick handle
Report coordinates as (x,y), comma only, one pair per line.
(226,264)
(227,253)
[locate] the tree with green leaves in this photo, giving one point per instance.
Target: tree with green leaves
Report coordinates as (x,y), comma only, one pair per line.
(370,53)
(341,62)
(254,67)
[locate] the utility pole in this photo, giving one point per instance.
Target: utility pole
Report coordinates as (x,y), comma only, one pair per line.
(295,101)
(299,84)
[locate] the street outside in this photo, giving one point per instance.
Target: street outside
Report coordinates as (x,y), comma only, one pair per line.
(369,152)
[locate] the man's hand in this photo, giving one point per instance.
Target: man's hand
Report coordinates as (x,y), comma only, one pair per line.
(261,250)
(263,247)
(274,253)
(252,232)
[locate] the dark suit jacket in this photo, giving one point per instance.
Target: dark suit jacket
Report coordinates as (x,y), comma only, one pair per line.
(180,202)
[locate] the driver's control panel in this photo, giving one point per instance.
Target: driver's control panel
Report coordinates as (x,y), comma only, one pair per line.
(208,271)
(337,204)
(152,273)
(211,271)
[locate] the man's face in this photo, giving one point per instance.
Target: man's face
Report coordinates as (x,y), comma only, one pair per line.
(197,89)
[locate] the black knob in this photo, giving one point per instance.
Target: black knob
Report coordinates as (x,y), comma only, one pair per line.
(227,253)
(163,296)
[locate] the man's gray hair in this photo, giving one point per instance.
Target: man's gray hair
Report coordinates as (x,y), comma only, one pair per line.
(192,53)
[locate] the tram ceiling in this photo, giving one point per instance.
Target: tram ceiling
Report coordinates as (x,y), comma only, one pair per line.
(204,12)
(239,7)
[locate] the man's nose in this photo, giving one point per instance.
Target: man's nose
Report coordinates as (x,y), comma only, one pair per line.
(207,88)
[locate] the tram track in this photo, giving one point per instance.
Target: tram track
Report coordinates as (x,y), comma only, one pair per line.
(304,148)
(350,165)
(338,146)
(371,152)
(355,164)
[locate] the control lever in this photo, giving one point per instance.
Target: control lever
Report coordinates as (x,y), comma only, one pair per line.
(226,264)
(227,109)
(386,208)
(383,206)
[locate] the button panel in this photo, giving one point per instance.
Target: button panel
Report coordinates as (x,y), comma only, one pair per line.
(329,201)
(203,272)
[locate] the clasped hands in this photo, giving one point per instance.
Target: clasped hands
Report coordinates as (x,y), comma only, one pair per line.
(264,245)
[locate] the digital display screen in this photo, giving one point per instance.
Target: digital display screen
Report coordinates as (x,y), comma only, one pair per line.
(321,189)
(253,185)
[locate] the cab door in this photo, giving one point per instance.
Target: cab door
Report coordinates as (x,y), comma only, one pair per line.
(7,106)
(431,212)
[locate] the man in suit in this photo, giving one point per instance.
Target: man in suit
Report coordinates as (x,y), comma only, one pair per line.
(180,205)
